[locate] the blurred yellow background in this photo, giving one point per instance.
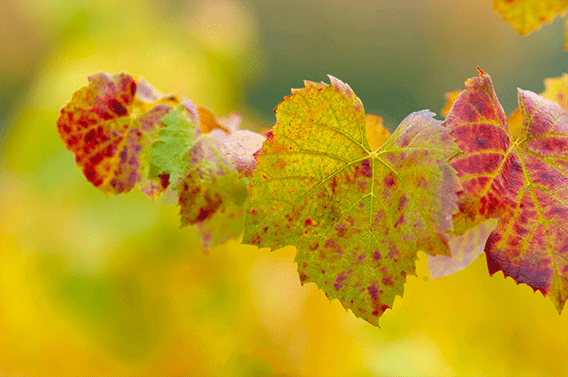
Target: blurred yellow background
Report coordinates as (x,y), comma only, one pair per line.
(97,286)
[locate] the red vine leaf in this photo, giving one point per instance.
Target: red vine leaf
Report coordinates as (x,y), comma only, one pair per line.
(357,215)
(523,183)
(109,125)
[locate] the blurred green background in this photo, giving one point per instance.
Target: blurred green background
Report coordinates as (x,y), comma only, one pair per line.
(99,286)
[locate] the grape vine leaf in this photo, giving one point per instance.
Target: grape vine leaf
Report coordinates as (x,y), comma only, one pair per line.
(523,183)
(528,15)
(210,192)
(125,132)
(357,215)
(467,248)
(109,125)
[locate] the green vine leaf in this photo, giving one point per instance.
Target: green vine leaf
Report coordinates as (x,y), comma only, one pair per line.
(357,215)
(200,173)
(522,182)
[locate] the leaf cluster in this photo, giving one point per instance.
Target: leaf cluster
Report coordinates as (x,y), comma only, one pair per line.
(357,202)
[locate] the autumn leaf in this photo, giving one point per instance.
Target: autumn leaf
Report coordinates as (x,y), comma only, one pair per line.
(464,250)
(109,126)
(451,97)
(523,183)
(357,215)
(171,147)
(556,89)
(125,132)
(237,144)
(197,168)
(528,15)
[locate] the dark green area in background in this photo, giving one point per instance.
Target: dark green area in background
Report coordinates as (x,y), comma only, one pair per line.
(396,58)
(394,54)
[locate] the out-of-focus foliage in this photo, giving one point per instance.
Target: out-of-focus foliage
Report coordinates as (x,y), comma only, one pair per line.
(528,15)
(97,286)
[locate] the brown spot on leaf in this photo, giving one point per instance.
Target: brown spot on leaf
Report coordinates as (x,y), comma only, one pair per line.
(341,228)
(333,184)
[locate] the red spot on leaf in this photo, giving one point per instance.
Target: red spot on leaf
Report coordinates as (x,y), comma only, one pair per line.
(402,202)
(117,107)
(373,292)
(164,180)
(366,169)
(339,281)
(389,180)
(400,221)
